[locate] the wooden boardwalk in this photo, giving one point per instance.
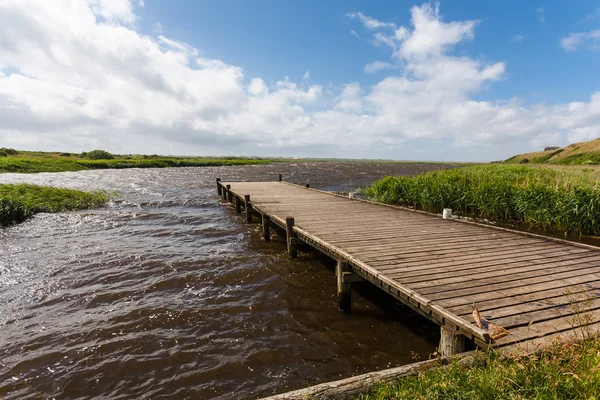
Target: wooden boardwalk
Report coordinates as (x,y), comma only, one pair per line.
(537,288)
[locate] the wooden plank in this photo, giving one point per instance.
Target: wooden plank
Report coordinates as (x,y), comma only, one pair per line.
(471,261)
(568,323)
(451,276)
(469,292)
(576,308)
(525,302)
(507,293)
(434,249)
(566,264)
(489,283)
(389,262)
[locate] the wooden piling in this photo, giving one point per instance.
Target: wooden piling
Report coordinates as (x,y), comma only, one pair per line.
(280,177)
(451,342)
(224,191)
(219,186)
(344,297)
(229,198)
(248,208)
(238,206)
(290,235)
(266,228)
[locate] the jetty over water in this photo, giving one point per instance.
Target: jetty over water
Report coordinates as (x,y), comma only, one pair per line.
(537,290)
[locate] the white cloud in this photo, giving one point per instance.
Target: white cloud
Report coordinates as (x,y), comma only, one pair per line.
(575,41)
(353,33)
(541,15)
(377,66)
(517,38)
(114,10)
(306,76)
(369,22)
(72,78)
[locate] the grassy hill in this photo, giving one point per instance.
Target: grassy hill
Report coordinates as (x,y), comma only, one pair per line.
(584,153)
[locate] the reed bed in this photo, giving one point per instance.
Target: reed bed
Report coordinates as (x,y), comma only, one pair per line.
(19,202)
(31,164)
(558,199)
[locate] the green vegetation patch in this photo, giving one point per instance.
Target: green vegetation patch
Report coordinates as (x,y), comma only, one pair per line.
(544,198)
(19,202)
(32,162)
(562,372)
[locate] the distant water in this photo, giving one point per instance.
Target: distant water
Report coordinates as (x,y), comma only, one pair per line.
(167,293)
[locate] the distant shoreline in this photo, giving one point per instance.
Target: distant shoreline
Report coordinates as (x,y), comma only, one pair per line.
(18,161)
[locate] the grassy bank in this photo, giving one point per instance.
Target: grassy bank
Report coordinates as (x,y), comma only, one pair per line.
(31,162)
(562,199)
(19,202)
(583,153)
(561,372)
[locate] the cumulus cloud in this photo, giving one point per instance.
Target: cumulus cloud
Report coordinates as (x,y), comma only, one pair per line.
(576,41)
(377,66)
(80,75)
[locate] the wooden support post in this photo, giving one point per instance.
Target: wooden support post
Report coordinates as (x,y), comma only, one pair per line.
(280,177)
(266,228)
(238,206)
(289,230)
(219,186)
(229,198)
(451,342)
(344,297)
(224,189)
(248,208)
(308,185)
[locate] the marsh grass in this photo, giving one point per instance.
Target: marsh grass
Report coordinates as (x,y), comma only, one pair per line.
(33,162)
(560,199)
(19,202)
(567,371)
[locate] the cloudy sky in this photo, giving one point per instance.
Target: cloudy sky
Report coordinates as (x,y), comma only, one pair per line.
(460,80)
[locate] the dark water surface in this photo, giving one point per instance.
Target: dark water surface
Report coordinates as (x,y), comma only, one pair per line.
(167,293)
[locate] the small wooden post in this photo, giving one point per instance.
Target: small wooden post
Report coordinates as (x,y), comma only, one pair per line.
(280,177)
(229,198)
(289,230)
(219,186)
(238,206)
(224,189)
(308,185)
(344,296)
(248,208)
(451,342)
(266,228)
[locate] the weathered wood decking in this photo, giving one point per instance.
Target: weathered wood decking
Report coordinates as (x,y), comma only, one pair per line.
(538,288)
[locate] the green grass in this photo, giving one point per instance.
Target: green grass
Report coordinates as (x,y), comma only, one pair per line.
(19,202)
(32,162)
(556,199)
(561,372)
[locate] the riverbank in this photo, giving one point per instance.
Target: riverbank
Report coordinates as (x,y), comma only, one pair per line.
(21,201)
(567,371)
(33,162)
(563,199)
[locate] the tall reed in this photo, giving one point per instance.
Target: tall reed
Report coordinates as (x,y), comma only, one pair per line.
(544,198)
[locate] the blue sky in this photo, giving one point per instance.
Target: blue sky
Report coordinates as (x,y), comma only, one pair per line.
(274,39)
(460,80)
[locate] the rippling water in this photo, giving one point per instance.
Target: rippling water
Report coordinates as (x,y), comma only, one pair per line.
(167,293)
